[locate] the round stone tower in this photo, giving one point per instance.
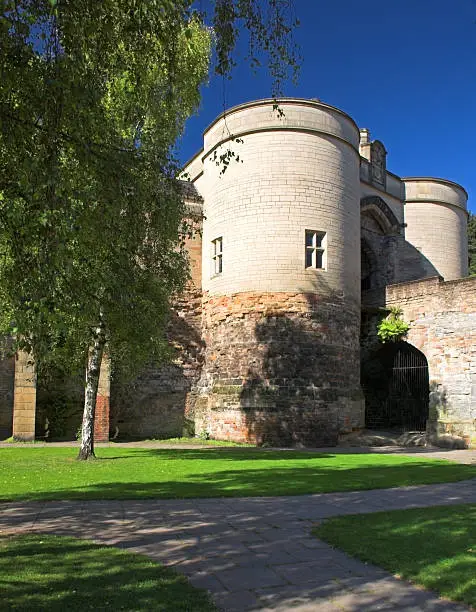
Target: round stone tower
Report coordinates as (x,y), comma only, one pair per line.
(281,274)
(436,223)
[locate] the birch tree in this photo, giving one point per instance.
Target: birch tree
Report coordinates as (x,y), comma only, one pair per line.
(93,96)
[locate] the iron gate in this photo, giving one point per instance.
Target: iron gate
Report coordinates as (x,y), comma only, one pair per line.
(407,402)
(399,388)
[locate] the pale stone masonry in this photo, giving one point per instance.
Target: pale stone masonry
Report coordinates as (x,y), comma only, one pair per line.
(443,327)
(281,336)
(281,355)
(306,241)
(24,406)
(441,234)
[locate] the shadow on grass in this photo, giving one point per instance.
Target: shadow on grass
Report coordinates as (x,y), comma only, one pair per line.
(434,547)
(198,474)
(39,572)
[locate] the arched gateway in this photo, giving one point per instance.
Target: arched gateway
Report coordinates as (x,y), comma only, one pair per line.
(396,386)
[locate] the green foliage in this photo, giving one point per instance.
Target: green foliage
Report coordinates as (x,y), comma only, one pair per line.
(269,26)
(59,399)
(139,473)
(393,328)
(60,573)
(93,98)
(57,410)
(432,547)
(92,220)
(472,244)
(204,435)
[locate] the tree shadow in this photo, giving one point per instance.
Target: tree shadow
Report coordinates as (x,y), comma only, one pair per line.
(431,546)
(264,474)
(157,403)
(204,538)
(303,388)
(39,572)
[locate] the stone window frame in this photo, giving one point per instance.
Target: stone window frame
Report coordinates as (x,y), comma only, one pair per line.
(315,256)
(217,256)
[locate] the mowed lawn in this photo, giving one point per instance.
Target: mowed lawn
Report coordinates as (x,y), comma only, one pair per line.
(41,572)
(135,473)
(432,547)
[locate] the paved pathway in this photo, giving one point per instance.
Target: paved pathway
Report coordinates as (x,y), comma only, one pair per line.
(252,553)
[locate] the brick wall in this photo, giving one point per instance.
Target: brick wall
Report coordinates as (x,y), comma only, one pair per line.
(101,416)
(443,326)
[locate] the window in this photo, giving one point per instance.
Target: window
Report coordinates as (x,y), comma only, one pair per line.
(316,243)
(217,256)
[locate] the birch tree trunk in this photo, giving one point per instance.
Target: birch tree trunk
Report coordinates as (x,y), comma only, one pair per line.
(93,370)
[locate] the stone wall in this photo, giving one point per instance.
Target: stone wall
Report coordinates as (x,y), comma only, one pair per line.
(280,368)
(281,335)
(160,402)
(443,327)
(24,402)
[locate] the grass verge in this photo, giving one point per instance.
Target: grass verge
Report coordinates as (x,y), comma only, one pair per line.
(185,441)
(40,572)
(39,473)
(199,442)
(431,547)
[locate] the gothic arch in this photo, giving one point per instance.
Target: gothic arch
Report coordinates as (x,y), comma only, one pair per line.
(381,213)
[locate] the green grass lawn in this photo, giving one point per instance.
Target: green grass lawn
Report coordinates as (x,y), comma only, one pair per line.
(432,547)
(38,473)
(39,572)
(183,440)
(199,442)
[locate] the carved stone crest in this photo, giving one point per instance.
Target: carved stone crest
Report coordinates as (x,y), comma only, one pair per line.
(378,163)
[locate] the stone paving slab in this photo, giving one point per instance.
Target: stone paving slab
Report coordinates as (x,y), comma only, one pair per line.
(252,553)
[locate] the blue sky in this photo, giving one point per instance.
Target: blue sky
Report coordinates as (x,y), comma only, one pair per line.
(404,69)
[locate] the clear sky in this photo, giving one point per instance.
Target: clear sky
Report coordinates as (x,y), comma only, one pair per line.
(405,69)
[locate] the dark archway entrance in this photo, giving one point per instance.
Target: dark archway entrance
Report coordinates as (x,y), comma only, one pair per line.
(396,386)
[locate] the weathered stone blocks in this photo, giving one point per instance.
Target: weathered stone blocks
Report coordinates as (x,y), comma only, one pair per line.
(24,405)
(280,369)
(443,327)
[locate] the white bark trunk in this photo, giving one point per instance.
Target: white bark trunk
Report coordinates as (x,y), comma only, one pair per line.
(93,370)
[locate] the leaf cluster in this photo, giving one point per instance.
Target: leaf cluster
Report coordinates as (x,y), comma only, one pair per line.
(270,25)
(393,328)
(472,244)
